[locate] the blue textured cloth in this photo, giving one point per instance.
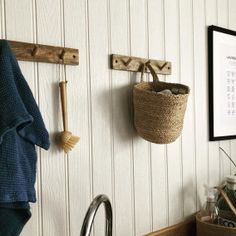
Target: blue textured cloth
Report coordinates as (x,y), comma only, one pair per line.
(21,128)
(13,217)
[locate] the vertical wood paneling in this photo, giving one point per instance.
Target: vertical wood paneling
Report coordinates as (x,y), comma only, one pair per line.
(122,133)
(101,103)
(2,25)
(63,76)
(188,136)
(79,158)
(156,31)
(141,151)
(52,163)
(150,186)
(214,161)
(224,161)
(175,181)
(20,26)
(201,98)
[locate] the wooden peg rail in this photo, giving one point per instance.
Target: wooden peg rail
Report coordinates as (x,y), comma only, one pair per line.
(44,53)
(120,62)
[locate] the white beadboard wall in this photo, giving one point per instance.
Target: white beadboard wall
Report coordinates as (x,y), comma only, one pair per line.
(151,186)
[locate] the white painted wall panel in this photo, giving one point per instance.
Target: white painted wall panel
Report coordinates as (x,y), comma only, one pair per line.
(156,43)
(174,150)
(141,148)
(121,128)
(214,158)
(201,98)
(187,77)
(150,186)
(80,163)
(101,117)
(53,183)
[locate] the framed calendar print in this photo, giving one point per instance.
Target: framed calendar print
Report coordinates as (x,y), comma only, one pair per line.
(222,83)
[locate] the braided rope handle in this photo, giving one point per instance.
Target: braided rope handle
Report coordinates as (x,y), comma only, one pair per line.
(224,195)
(153,73)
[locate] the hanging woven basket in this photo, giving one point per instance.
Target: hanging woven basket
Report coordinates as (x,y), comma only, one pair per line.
(159,117)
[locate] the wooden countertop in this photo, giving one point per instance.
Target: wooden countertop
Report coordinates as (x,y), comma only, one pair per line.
(185,228)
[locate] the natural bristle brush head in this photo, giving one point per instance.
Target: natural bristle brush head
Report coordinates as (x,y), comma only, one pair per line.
(68,141)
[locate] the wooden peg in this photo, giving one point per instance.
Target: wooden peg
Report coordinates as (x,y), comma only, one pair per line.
(62,54)
(147,62)
(35,50)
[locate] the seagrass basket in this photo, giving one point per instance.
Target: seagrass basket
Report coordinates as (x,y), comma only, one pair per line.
(205,228)
(158,118)
(208,229)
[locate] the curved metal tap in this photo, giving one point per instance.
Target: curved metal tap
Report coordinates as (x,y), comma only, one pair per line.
(91,212)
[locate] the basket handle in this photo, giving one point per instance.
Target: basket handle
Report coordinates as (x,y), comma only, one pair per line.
(224,195)
(153,73)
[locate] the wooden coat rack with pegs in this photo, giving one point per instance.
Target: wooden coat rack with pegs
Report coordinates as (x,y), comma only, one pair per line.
(44,53)
(128,63)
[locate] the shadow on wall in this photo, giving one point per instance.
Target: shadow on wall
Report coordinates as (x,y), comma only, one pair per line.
(134,78)
(122,110)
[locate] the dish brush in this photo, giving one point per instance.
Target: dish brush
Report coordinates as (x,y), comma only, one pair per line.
(67,140)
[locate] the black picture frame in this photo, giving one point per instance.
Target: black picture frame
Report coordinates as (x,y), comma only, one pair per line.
(219,128)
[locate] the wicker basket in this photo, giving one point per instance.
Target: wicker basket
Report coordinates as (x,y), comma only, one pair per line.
(207,229)
(158,118)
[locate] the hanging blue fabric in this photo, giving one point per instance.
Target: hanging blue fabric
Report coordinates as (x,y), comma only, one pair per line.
(21,128)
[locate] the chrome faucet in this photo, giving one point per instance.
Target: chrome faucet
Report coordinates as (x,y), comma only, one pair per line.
(91,212)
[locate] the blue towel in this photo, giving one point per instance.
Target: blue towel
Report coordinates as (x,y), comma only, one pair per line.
(13,217)
(21,128)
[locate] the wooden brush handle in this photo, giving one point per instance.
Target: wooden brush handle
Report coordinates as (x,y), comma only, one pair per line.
(63,92)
